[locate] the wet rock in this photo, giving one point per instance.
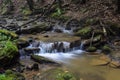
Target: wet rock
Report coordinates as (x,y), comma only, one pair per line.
(19,69)
(114,64)
(35,44)
(105,58)
(32,50)
(12,27)
(3,21)
(91,49)
(35,67)
(84,32)
(58,30)
(98,62)
(35,29)
(74,23)
(29,67)
(42,60)
(22,44)
(76,44)
(106,49)
(46,36)
(61,47)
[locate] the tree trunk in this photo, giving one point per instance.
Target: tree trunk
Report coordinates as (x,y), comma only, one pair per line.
(30,4)
(118,6)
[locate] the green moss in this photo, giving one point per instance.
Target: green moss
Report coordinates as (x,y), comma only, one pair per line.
(106,49)
(10,75)
(41,59)
(9,50)
(8,33)
(84,32)
(91,49)
(92,21)
(58,74)
(26,11)
(65,76)
(4,77)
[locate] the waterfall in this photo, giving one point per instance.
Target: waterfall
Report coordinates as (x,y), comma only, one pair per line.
(62,29)
(56,47)
(58,51)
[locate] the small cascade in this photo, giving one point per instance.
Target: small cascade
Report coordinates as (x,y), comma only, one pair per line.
(57,51)
(82,45)
(54,47)
(57,47)
(59,28)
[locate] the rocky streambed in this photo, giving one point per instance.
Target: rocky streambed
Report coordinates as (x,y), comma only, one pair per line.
(51,50)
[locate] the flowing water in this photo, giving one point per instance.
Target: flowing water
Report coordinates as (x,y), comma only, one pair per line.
(75,61)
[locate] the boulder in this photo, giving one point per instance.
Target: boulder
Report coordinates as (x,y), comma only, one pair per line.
(34,29)
(42,60)
(73,23)
(85,32)
(91,49)
(114,64)
(98,62)
(9,55)
(106,49)
(12,27)
(22,44)
(35,67)
(58,30)
(105,58)
(32,50)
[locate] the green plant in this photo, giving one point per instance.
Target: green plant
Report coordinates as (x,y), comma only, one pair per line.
(91,49)
(84,32)
(4,77)
(106,49)
(65,76)
(9,50)
(7,33)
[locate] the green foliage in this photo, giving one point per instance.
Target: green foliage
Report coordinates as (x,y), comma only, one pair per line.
(10,75)
(84,32)
(91,49)
(106,49)
(4,77)
(7,33)
(9,49)
(92,21)
(26,11)
(65,76)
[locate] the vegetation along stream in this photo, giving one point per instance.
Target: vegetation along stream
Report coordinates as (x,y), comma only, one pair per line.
(59,39)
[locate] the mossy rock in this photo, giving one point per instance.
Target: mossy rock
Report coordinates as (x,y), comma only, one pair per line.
(56,74)
(9,74)
(114,28)
(9,54)
(106,49)
(41,59)
(8,33)
(91,49)
(35,29)
(84,32)
(92,22)
(26,11)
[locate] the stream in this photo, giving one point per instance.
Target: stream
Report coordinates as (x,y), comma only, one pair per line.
(74,59)
(77,62)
